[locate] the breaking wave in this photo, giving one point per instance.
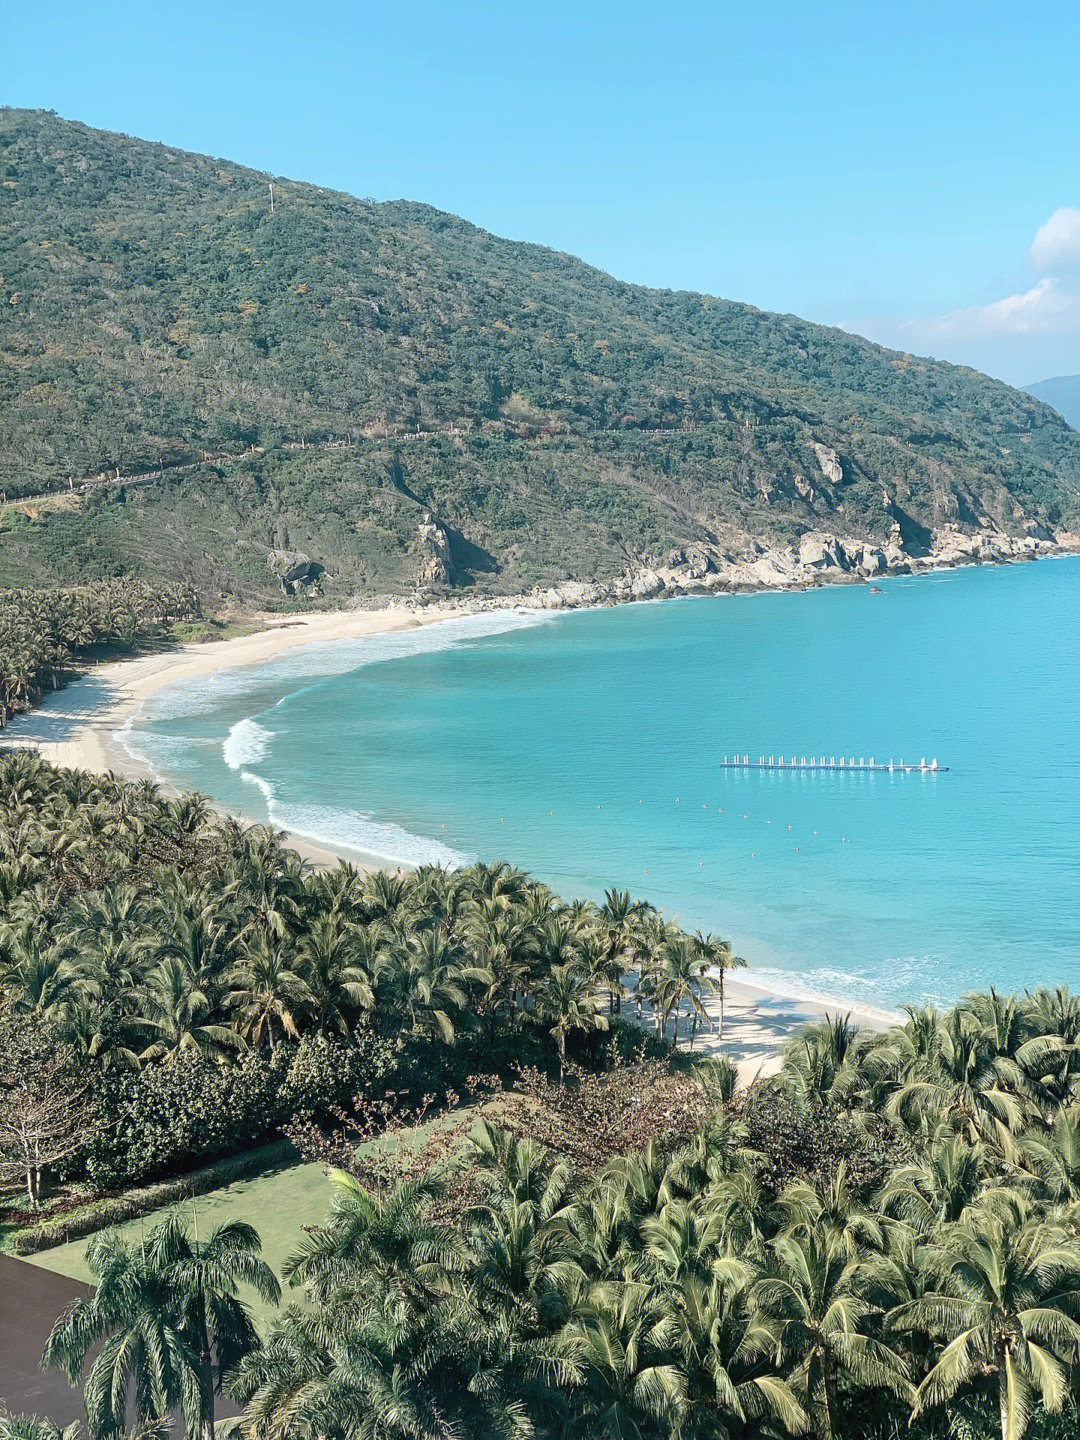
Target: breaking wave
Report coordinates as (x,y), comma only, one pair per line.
(246,743)
(354,830)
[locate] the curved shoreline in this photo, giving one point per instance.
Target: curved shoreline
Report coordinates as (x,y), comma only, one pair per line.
(79,728)
(82,736)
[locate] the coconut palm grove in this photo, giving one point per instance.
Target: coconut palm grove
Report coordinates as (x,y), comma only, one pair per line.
(546,1219)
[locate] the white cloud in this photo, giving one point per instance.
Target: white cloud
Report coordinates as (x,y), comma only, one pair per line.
(1057,243)
(1045,309)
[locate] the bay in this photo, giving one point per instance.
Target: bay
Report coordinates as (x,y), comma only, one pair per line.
(585,747)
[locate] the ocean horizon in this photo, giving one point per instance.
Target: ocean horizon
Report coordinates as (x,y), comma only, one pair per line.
(585,747)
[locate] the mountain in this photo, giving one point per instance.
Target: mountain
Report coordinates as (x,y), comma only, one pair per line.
(390,393)
(1063,393)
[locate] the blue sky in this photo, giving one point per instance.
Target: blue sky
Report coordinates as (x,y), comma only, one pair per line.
(885,168)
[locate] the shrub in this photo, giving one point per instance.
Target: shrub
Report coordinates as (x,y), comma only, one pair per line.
(798,1140)
(168,1116)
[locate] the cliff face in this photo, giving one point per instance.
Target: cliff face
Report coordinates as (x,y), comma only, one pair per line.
(819,558)
(338,368)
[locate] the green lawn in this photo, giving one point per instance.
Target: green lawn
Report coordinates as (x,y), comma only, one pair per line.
(277,1204)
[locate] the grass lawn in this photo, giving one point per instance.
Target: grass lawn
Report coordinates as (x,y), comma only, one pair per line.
(277,1204)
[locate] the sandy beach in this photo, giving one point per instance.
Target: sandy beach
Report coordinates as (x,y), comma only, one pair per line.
(77,728)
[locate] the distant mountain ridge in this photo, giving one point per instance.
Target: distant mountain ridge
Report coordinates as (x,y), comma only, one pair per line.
(400,395)
(1063,393)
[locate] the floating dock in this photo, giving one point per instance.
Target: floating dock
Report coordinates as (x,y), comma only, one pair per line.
(831,762)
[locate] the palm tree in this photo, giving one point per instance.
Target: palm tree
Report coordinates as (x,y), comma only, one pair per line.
(632,1385)
(504,946)
(34,1427)
(820,1063)
(1006,1309)
(937,1189)
(269,995)
(175,1013)
(719,957)
(565,1001)
(621,919)
(1053,1067)
(680,1241)
(165,1322)
(815,1304)
(830,1210)
(681,977)
(270,898)
(420,980)
(524,1264)
(726,1349)
(376,1251)
(341,988)
(965,1081)
(1054,1157)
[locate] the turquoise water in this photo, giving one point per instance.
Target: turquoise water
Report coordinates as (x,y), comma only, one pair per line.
(585,747)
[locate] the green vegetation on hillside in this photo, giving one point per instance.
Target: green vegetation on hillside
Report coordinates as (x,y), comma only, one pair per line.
(155,310)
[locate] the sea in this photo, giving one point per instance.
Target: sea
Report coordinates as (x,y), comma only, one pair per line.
(586,747)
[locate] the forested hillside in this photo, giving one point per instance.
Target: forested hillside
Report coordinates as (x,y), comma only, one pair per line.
(158,309)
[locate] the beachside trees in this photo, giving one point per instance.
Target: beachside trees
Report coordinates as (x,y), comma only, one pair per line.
(565,1000)
(680,976)
(526,1296)
(43,632)
(794,1261)
(719,958)
(885,1228)
(815,1299)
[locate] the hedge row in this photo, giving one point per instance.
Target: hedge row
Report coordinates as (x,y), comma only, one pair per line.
(114,1210)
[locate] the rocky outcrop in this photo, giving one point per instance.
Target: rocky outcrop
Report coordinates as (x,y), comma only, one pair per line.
(646,585)
(740,562)
(293,570)
(830,464)
(280,562)
(434,565)
(572,594)
(819,551)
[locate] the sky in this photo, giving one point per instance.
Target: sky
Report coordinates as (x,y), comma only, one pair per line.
(909,171)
